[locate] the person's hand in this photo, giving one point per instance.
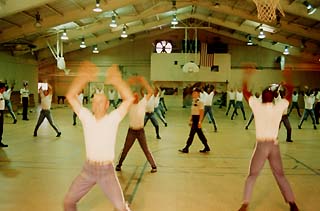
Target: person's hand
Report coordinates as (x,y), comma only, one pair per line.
(113,74)
(199,124)
(88,71)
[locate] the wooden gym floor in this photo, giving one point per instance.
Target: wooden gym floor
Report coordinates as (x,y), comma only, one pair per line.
(35,172)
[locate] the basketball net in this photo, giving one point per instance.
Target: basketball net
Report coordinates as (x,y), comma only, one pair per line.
(267,9)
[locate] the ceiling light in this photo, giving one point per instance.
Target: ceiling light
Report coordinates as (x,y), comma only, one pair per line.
(174,20)
(97,8)
(249,42)
(124,32)
(95,49)
(261,34)
(310,8)
(83,44)
(64,35)
(113,23)
(286,50)
(38,21)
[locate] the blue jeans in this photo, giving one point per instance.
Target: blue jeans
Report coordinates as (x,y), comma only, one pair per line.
(9,106)
(208,110)
(45,114)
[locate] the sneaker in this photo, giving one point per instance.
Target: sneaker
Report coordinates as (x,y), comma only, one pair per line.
(154,170)
(184,150)
(118,168)
(3,145)
(15,121)
(205,150)
(58,134)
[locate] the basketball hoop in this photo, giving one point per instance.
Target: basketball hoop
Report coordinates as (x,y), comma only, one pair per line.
(267,9)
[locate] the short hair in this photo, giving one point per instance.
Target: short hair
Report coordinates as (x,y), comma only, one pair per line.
(196,89)
(2,85)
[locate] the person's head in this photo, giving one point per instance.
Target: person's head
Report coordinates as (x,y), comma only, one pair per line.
(196,92)
(100,104)
(136,98)
(267,96)
(294,92)
(2,87)
(257,94)
(25,84)
(46,92)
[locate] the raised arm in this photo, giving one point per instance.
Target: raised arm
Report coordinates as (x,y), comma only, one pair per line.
(87,72)
(288,83)
(50,89)
(113,77)
(144,85)
(246,76)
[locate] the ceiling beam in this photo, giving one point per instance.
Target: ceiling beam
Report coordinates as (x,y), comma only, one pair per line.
(55,11)
(78,5)
(10,22)
(15,6)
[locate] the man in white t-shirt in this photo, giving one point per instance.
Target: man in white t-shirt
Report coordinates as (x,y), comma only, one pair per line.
(309,100)
(24,94)
(150,115)
(2,106)
(239,104)
(207,101)
(267,119)
(295,103)
(136,123)
(195,122)
(317,106)
(232,97)
(7,96)
(112,97)
(46,98)
(100,132)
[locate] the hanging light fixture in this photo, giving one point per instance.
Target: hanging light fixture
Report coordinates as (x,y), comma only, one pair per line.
(38,20)
(249,42)
(97,8)
(310,8)
(124,32)
(174,20)
(113,23)
(261,34)
(95,49)
(64,35)
(83,44)
(286,50)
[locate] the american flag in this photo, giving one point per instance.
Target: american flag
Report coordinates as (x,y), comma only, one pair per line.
(206,59)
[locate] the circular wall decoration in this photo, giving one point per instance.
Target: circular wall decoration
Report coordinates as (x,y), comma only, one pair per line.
(163,47)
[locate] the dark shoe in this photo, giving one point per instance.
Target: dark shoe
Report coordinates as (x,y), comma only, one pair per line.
(154,170)
(3,145)
(58,134)
(205,150)
(245,118)
(165,124)
(293,206)
(210,122)
(26,119)
(244,207)
(215,129)
(158,137)
(289,140)
(118,168)
(35,134)
(299,126)
(74,124)
(184,150)
(314,127)
(15,121)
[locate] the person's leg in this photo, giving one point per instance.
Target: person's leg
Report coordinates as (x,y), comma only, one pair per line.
(79,187)
(159,114)
(317,112)
(256,164)
(110,185)
(235,110)
(25,102)
(9,106)
(298,109)
(203,139)
(155,124)
(304,116)
(143,144)
(229,106)
(1,129)
(127,146)
(49,117)
(286,123)
(242,109)
(163,103)
(250,120)
(189,140)
(277,170)
(40,120)
(74,117)
(146,118)
(211,117)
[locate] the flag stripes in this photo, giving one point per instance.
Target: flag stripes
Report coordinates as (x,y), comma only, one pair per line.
(206,59)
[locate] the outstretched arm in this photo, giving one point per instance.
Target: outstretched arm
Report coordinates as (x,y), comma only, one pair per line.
(288,83)
(87,72)
(144,83)
(246,76)
(113,77)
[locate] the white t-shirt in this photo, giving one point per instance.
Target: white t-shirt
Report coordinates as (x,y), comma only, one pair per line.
(80,98)
(111,95)
(232,95)
(24,92)
(207,100)
(136,114)
(150,104)
(7,94)
(267,118)
(100,135)
(45,101)
(295,97)
(309,101)
(2,102)
(196,106)
(239,96)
